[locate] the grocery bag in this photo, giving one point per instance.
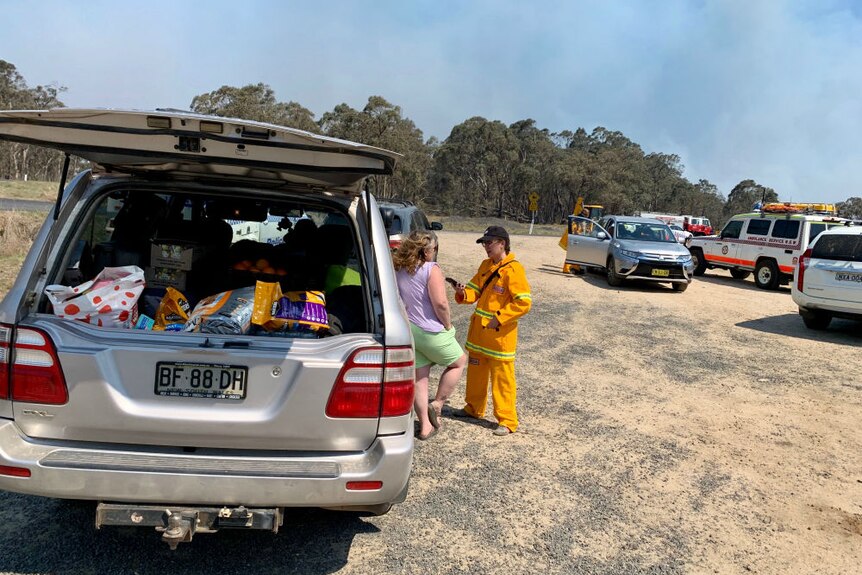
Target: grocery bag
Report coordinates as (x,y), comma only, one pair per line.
(109,300)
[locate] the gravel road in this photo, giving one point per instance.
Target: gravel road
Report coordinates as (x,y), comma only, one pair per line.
(699,432)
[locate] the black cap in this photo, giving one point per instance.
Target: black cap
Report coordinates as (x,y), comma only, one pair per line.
(494,233)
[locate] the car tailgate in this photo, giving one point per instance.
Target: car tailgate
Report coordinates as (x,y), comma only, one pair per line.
(111,375)
(835,280)
(187,143)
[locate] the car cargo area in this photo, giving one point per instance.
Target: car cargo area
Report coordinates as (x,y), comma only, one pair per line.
(213,264)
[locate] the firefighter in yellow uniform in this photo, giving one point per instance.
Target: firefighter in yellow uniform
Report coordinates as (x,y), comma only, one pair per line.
(502,295)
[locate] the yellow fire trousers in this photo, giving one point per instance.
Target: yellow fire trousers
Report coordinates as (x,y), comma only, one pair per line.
(480,369)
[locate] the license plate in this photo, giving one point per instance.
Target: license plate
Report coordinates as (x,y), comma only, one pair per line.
(206,380)
(848,277)
(662,273)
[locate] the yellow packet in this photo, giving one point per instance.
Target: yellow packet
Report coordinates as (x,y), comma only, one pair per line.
(173,312)
(291,311)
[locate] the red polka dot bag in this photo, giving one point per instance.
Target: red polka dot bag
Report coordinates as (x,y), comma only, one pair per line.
(109,300)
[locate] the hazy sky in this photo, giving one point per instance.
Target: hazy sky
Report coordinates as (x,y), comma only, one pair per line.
(764,89)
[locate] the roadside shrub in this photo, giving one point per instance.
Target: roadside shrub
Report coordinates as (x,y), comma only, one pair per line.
(17,230)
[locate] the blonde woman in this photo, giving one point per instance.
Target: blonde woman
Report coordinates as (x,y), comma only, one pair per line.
(423,292)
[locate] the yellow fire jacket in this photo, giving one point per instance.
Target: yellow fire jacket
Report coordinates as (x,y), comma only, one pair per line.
(507,297)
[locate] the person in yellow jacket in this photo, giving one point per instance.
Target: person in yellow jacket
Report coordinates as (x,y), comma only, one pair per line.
(502,295)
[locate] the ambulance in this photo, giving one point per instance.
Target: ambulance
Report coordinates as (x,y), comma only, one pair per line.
(767,242)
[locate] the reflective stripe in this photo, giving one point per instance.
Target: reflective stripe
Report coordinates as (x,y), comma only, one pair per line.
(483,313)
(524,296)
(472,286)
(489,352)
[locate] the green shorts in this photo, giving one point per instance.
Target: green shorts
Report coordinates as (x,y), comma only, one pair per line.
(441,348)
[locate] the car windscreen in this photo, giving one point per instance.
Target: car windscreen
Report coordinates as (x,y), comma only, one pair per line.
(838,247)
(645,232)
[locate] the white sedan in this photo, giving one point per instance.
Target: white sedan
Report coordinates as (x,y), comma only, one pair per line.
(680,234)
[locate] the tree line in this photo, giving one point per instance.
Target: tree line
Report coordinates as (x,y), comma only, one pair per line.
(483,168)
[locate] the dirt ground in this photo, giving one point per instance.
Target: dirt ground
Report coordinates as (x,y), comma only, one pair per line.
(704,431)
(699,432)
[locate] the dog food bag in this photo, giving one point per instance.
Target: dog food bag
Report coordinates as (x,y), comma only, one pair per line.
(291,311)
(224,313)
(173,312)
(109,300)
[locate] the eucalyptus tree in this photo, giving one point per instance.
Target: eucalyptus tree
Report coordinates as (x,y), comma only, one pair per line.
(254,102)
(382,124)
(20,161)
(475,168)
(744,195)
(850,208)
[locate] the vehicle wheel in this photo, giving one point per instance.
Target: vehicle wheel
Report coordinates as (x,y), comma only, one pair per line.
(816,319)
(614,279)
(679,286)
(766,274)
(699,261)
(739,274)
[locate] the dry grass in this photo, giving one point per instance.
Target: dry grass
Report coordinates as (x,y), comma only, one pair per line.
(17,230)
(20,190)
(462,224)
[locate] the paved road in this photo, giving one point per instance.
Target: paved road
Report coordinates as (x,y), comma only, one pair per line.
(7,204)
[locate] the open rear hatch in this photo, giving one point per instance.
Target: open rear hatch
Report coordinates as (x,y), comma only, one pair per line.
(184,142)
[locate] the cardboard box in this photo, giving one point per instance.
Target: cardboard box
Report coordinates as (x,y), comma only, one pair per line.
(174,255)
(165,277)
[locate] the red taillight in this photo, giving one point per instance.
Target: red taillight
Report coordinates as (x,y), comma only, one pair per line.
(364,485)
(804,260)
(369,386)
(5,339)
(30,367)
(14,471)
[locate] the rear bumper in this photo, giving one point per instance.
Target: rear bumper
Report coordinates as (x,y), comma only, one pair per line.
(206,478)
(810,306)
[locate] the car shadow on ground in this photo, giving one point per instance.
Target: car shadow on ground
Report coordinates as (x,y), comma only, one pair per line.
(841,331)
(553,269)
(310,541)
(747,283)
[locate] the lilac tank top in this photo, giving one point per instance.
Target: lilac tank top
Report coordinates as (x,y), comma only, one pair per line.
(414,294)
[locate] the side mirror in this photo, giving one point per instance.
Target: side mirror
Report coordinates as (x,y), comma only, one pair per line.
(436,226)
(602,235)
(388,215)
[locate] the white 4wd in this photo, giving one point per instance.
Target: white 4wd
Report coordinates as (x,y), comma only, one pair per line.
(828,279)
(768,244)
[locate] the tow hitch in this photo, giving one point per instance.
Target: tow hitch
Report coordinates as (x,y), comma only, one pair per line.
(179,524)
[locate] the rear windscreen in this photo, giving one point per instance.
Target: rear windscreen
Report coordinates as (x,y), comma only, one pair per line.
(844,248)
(176,253)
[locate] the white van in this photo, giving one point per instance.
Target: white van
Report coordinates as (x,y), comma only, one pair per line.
(767,243)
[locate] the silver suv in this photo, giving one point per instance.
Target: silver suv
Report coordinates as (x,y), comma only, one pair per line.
(402,217)
(184,378)
(629,247)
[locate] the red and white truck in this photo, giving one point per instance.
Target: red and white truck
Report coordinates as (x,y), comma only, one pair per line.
(698,226)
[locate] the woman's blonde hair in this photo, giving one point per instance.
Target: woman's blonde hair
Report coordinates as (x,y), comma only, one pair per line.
(410,255)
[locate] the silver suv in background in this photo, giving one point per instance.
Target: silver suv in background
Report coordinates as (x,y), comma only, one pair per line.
(183,378)
(629,247)
(827,282)
(402,217)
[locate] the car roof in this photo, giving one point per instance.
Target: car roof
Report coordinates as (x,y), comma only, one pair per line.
(637,220)
(845,230)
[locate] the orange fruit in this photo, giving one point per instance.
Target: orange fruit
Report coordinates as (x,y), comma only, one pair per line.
(261,263)
(268,270)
